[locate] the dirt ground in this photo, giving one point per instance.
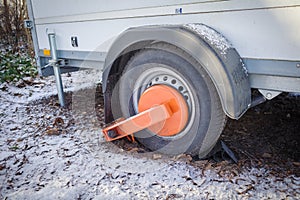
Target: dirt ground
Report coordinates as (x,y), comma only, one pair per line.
(49,152)
(268,135)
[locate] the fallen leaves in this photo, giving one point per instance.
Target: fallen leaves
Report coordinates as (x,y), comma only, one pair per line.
(2,167)
(173,196)
(58,121)
(183,157)
(156,156)
(248,188)
(57,127)
(52,131)
(14,128)
(296,164)
(267,155)
(3,87)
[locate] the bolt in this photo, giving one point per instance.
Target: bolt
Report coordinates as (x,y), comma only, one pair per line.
(298,65)
(269,95)
(112,133)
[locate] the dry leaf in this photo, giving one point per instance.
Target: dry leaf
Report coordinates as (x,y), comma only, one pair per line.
(58,121)
(52,131)
(156,156)
(267,155)
(2,167)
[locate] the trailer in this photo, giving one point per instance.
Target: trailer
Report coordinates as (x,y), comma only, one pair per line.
(172,70)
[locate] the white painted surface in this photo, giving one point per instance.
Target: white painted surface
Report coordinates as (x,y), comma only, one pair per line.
(264,29)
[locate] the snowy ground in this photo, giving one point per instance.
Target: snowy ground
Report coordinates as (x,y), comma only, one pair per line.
(48,152)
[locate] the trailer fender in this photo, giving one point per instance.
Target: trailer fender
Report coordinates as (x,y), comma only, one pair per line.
(210,48)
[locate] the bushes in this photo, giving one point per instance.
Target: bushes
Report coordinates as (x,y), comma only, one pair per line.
(15,66)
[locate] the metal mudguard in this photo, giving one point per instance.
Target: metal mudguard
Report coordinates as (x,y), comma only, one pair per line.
(212,50)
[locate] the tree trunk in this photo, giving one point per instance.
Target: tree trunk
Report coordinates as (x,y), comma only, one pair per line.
(7,23)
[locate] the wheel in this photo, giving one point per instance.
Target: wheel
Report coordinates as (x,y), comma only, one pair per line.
(163,64)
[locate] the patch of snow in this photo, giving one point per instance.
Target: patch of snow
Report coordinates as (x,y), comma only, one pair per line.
(214,38)
(244,67)
(45,87)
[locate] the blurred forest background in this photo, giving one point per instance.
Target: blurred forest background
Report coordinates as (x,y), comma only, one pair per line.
(16,50)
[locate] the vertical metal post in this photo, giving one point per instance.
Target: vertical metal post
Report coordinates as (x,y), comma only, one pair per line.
(56,69)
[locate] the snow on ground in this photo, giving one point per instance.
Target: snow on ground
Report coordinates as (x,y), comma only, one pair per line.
(48,152)
(31,89)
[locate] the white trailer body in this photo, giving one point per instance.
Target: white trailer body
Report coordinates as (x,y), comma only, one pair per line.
(260,30)
(264,33)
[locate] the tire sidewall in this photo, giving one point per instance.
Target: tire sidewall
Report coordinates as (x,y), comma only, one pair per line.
(197,80)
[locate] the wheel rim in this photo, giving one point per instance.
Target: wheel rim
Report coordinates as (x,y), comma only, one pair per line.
(163,75)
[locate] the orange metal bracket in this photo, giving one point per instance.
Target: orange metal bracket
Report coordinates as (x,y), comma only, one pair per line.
(125,127)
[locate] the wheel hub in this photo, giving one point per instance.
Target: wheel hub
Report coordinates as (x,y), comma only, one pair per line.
(160,94)
(169,80)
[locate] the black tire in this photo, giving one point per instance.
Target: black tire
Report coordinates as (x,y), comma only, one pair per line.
(206,117)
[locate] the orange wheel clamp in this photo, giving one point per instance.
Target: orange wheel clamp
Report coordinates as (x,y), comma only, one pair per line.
(162,109)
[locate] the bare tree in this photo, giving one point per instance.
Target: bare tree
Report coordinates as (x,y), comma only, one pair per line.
(5,22)
(12,33)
